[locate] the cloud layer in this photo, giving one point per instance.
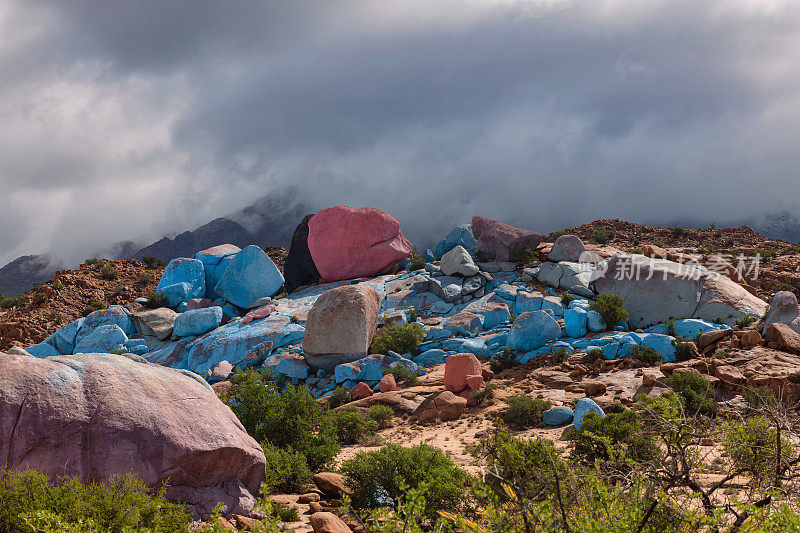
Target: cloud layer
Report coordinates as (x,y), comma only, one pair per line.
(128,120)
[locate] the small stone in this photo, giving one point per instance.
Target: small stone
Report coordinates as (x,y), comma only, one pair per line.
(594,388)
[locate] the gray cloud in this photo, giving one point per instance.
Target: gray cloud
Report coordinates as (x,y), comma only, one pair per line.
(132,119)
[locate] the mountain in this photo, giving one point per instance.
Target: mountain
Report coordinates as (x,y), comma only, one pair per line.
(269,221)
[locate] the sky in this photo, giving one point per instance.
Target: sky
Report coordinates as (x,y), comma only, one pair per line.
(130,120)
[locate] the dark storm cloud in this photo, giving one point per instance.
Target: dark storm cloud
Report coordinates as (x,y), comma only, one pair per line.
(153,116)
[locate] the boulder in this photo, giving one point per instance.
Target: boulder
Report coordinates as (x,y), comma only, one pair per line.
(533,330)
(584,406)
(184,270)
(783,310)
(258,314)
(448,288)
(176,294)
(559,415)
(781,336)
(102,339)
(331,483)
(341,325)
(442,406)
(215,260)
(64,337)
(299,268)
(290,364)
(114,315)
(197,321)
(325,522)
(251,275)
(458,261)
(369,368)
(348,243)
(723,298)
(95,415)
(500,241)
(459,236)
(458,369)
(465,323)
(567,248)
(360,391)
(44,350)
(575,322)
(387,383)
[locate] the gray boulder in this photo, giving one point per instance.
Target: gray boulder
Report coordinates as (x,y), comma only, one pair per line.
(458,261)
(567,248)
(783,310)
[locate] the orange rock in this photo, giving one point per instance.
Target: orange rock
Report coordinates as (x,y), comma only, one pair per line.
(782,337)
(457,368)
(750,338)
(388,383)
(361,390)
(323,522)
(594,388)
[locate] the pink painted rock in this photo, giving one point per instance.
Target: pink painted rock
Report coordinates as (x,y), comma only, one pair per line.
(94,415)
(474,382)
(348,243)
(360,391)
(256,314)
(457,368)
(198,303)
(387,383)
(499,241)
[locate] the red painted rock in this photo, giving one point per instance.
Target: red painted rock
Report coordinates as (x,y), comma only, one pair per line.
(499,241)
(348,243)
(387,383)
(474,382)
(256,314)
(456,370)
(94,415)
(360,391)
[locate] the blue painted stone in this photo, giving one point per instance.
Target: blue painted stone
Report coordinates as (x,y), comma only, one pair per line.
(533,330)
(595,322)
(610,350)
(369,368)
(498,315)
(435,334)
(250,276)
(661,344)
(197,321)
(42,349)
(429,257)
(497,341)
(507,291)
(557,416)
(231,311)
(441,307)
(584,406)
(575,322)
(295,368)
(459,236)
(215,260)
(626,345)
(527,301)
(102,339)
(691,328)
(176,293)
(552,304)
(64,337)
(184,270)
(137,346)
(476,346)
(431,357)
(114,315)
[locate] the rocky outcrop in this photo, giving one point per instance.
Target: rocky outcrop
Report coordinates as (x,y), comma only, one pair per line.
(94,415)
(500,241)
(783,310)
(299,268)
(348,243)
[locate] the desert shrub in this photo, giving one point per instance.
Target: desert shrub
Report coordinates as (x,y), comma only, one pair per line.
(594,353)
(339,397)
(678,232)
(752,446)
(696,393)
(353,426)
(289,418)
(412,315)
(719,320)
(287,469)
(119,351)
(156,300)
(378,477)
(399,338)
(382,415)
(670,327)
(145,278)
(616,436)
(152,262)
(758,398)
(416,261)
(39,299)
(611,307)
(524,411)
(646,354)
(92,307)
(746,320)
(503,360)
(484,395)
(602,235)
(294,320)
(559,355)
(402,375)
(567,298)
(684,349)
(117,504)
(93,261)
(18,301)
(108,272)
(523,255)
(531,467)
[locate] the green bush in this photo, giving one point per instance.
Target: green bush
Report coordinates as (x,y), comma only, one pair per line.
(156,300)
(746,321)
(121,503)
(92,307)
(524,411)
(595,353)
(382,415)
(567,298)
(678,232)
(602,235)
(145,278)
(559,355)
(523,256)
(353,426)
(484,395)
(670,327)
(402,375)
(39,299)
(616,436)
(108,272)
(611,307)
(152,262)
(377,477)
(339,397)
(416,261)
(503,360)
(684,349)
(287,469)
(752,446)
(646,354)
(696,393)
(399,338)
(294,320)
(288,418)
(18,301)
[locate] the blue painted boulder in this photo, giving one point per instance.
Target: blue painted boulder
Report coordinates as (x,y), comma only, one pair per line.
(176,294)
(249,277)
(42,349)
(691,328)
(575,321)
(584,406)
(215,260)
(114,315)
(102,339)
(197,321)
(429,257)
(434,356)
(559,415)
(369,368)
(595,322)
(64,337)
(661,344)
(533,330)
(184,270)
(459,236)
